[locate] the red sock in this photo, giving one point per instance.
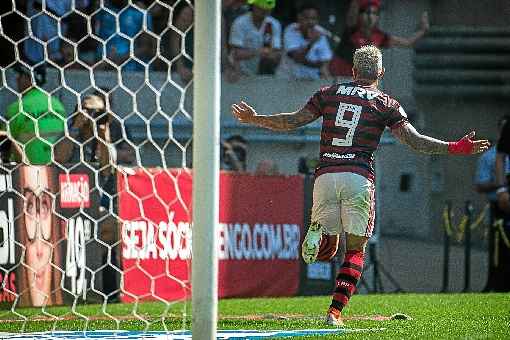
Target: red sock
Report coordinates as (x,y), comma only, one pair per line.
(347,278)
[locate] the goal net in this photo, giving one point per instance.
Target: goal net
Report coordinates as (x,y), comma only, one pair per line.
(95,186)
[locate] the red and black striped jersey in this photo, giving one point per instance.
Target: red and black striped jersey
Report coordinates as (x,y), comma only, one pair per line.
(354,117)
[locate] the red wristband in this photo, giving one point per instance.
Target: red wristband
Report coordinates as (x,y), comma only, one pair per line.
(463,146)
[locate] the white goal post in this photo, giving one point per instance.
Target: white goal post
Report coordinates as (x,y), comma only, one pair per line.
(149,100)
(206,140)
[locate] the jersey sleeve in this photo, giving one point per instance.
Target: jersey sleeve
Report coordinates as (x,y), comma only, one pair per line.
(504,140)
(396,116)
(314,104)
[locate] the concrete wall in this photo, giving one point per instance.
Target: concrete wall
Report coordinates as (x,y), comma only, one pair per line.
(471,12)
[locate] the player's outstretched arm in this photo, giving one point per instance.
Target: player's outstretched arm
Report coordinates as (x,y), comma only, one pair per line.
(408,135)
(278,121)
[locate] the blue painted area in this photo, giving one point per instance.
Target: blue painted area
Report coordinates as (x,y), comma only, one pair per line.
(174,335)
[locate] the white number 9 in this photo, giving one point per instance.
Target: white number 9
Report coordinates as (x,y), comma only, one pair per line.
(349,124)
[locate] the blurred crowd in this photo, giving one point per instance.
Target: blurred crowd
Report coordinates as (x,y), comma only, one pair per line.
(288,39)
(278,38)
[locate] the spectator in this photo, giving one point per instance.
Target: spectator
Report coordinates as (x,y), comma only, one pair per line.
(503,198)
(118,40)
(13,30)
(45,28)
(233,153)
(362,29)
(231,9)
(35,121)
(69,60)
(307,50)
(113,143)
(77,35)
(486,183)
(503,151)
(106,143)
(255,40)
(183,21)
(145,51)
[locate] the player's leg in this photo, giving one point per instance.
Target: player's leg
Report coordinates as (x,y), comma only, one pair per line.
(347,277)
(321,240)
(357,213)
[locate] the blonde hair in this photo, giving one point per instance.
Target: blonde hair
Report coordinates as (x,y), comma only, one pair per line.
(367,62)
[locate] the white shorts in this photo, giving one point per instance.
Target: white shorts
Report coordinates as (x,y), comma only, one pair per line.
(344,202)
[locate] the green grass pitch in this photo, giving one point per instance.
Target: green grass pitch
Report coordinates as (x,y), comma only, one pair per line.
(433,316)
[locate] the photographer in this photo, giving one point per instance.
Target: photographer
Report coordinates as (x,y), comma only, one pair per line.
(97,138)
(100,135)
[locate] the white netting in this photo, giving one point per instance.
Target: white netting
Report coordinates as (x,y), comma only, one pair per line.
(96,107)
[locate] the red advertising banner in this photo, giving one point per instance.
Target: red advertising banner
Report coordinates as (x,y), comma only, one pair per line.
(261,223)
(154,207)
(260,230)
(74,190)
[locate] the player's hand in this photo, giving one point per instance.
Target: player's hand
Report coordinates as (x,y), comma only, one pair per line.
(243,112)
(467,146)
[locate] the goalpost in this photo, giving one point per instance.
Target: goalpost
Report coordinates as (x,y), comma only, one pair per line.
(206,168)
(153,104)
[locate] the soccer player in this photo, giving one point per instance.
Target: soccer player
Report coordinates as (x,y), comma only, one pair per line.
(354,115)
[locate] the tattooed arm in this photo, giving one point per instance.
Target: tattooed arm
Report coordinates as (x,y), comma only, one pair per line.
(279,121)
(408,135)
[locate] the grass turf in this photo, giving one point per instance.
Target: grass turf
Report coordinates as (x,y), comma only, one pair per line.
(434,316)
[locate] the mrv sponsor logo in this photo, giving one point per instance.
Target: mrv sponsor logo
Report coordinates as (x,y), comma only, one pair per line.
(357,91)
(237,241)
(74,190)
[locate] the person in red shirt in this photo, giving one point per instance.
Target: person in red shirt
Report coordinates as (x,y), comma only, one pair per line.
(362,29)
